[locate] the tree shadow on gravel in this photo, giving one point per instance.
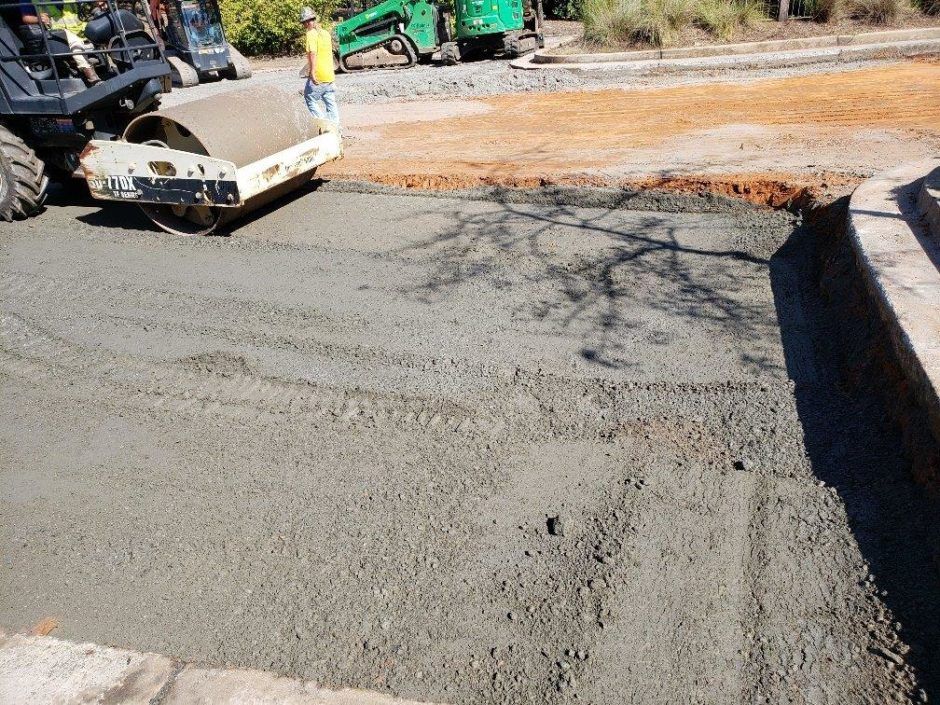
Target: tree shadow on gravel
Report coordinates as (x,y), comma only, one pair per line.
(625,272)
(848,400)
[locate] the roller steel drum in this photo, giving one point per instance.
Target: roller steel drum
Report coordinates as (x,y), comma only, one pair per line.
(241,127)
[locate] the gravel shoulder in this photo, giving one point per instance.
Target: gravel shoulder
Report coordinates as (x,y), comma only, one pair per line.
(331,445)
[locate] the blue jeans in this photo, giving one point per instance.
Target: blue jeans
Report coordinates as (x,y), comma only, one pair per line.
(315,93)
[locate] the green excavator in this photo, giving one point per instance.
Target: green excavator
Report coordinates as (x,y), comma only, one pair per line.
(397,34)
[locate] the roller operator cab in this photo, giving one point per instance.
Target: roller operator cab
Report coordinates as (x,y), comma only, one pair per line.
(195,41)
(56,97)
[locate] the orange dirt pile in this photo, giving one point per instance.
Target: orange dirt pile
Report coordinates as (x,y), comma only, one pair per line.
(522,139)
(44,626)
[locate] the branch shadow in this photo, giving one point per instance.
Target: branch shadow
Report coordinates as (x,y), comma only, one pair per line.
(599,274)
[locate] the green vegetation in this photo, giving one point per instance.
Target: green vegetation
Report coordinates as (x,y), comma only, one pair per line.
(660,22)
(565,9)
(722,18)
(873,11)
(264,27)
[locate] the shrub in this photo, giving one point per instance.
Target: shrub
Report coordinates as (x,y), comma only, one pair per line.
(722,18)
(562,9)
(264,27)
(659,22)
(651,22)
(873,11)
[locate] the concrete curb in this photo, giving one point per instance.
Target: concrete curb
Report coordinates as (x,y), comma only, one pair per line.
(774,45)
(899,257)
(36,670)
(660,60)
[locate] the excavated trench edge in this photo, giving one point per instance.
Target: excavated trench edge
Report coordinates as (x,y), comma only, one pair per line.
(822,206)
(773,190)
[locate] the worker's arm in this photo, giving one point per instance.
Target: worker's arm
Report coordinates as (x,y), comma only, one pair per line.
(311,63)
(29,15)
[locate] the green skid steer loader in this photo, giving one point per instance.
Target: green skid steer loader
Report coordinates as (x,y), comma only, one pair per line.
(487,28)
(393,34)
(400,33)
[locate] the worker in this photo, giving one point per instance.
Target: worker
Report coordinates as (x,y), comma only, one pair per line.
(320,74)
(59,24)
(159,15)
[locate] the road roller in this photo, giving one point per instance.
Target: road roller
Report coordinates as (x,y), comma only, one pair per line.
(195,167)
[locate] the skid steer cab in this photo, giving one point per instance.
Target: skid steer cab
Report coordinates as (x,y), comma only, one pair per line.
(195,41)
(70,71)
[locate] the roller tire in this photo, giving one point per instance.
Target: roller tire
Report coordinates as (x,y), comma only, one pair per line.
(184,75)
(239,68)
(450,54)
(23,180)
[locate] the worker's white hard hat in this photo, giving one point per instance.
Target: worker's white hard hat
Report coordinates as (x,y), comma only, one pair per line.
(307,14)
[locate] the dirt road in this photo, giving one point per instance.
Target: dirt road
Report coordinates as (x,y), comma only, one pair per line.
(331,445)
(811,126)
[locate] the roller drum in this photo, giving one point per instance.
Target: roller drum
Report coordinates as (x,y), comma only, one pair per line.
(242,127)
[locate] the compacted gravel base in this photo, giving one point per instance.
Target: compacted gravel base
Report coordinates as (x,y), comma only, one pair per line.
(461,450)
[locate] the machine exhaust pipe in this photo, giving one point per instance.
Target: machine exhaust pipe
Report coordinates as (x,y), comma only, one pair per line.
(195,167)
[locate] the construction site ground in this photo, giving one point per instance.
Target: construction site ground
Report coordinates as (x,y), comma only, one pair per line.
(565,443)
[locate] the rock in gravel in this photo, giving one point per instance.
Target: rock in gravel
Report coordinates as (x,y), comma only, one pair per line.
(744,464)
(556,526)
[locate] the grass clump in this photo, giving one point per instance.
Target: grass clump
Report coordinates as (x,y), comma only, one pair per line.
(871,11)
(723,18)
(651,22)
(659,23)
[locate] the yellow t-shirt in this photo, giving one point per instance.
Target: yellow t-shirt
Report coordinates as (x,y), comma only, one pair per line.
(319,42)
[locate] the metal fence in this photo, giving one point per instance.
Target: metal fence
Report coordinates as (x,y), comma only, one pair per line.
(790,9)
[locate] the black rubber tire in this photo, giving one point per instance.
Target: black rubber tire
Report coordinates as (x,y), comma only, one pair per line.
(239,68)
(23,180)
(450,54)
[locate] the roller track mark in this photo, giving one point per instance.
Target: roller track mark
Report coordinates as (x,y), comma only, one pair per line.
(34,355)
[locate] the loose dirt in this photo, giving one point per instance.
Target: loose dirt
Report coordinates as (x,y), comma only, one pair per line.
(331,445)
(852,123)
(773,190)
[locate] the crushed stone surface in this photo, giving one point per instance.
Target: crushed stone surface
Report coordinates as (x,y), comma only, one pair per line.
(461,450)
(495,77)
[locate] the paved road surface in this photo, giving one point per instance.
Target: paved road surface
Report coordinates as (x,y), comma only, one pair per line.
(330,444)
